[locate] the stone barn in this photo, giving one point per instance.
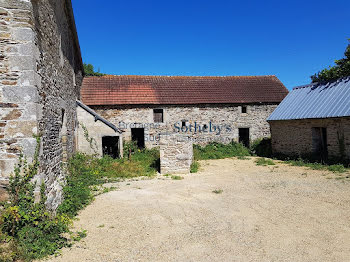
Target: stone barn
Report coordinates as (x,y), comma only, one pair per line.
(41,76)
(205,109)
(314,121)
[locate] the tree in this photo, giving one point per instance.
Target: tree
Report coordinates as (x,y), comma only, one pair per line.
(340,70)
(89,70)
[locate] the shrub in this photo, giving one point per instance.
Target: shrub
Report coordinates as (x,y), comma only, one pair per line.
(32,232)
(130,147)
(262,147)
(218,151)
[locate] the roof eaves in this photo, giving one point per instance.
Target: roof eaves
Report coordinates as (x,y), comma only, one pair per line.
(98,117)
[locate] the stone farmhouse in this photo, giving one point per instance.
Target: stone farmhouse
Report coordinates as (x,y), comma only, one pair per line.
(314,121)
(205,109)
(41,75)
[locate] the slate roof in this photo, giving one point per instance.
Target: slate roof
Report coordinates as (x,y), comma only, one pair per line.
(315,101)
(141,90)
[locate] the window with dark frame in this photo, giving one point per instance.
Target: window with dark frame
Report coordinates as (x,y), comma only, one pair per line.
(244,109)
(158,115)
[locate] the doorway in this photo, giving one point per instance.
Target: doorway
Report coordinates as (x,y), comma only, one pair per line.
(110,146)
(319,143)
(138,135)
(243,136)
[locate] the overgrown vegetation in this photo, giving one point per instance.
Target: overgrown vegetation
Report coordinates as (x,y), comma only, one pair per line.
(29,231)
(263,149)
(218,151)
(340,70)
(86,171)
(264,162)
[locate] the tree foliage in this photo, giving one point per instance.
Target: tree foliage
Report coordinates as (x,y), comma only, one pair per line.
(341,69)
(89,70)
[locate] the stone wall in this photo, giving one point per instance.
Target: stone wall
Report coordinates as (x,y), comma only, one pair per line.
(222,121)
(294,137)
(40,82)
(176,154)
(18,84)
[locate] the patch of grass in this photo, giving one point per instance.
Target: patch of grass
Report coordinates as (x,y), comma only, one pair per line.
(339,168)
(218,191)
(101,226)
(243,158)
(87,171)
(194,167)
(177,177)
(219,151)
(79,235)
(264,162)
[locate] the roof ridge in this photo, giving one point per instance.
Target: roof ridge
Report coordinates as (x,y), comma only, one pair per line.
(333,82)
(182,76)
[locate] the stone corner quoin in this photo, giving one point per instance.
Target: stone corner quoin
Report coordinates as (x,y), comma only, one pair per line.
(41,74)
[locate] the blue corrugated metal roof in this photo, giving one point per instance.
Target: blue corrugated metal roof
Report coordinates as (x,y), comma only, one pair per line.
(315,101)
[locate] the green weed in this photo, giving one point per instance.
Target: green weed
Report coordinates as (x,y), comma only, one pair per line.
(218,191)
(177,177)
(194,167)
(264,162)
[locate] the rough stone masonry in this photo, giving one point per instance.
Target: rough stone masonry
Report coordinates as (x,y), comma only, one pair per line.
(41,74)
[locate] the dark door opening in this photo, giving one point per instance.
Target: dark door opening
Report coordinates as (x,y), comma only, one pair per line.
(138,135)
(243,136)
(319,143)
(110,146)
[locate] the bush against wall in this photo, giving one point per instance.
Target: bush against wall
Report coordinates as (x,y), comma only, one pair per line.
(262,147)
(216,150)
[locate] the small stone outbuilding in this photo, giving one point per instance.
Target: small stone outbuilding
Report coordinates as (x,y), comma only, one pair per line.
(97,136)
(314,121)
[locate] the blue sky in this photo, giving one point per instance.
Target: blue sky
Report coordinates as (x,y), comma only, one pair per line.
(291,39)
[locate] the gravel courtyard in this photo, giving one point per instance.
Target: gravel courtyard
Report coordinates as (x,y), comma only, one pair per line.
(265,213)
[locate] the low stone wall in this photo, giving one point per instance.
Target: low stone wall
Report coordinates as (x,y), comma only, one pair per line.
(176,154)
(294,137)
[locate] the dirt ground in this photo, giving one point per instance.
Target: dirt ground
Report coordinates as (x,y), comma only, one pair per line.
(265,213)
